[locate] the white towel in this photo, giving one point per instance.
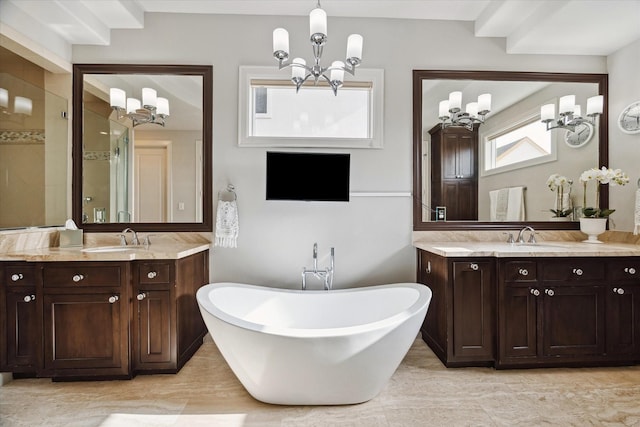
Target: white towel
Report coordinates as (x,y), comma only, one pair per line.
(636,217)
(515,205)
(499,200)
(227,226)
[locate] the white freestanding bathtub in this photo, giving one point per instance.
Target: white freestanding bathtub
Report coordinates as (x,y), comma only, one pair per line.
(295,347)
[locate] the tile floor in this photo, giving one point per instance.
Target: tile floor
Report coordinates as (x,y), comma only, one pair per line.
(421,393)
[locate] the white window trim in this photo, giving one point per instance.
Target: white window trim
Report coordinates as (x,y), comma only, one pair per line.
(248,73)
(527,117)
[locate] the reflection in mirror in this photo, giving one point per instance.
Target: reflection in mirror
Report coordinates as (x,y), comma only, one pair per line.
(33,154)
(137,172)
(494,175)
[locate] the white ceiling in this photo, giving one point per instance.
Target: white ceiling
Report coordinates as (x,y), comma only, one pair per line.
(580,27)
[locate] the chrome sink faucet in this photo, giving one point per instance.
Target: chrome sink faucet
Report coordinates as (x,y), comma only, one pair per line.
(326,274)
(532,235)
(123,238)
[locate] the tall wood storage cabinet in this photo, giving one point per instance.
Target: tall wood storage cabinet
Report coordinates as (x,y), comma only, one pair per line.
(454,171)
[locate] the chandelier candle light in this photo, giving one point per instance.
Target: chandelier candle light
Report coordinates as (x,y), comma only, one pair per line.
(154,109)
(300,71)
(570,113)
(450,113)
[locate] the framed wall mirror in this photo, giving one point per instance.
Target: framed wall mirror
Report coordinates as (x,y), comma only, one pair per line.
(142,147)
(494,157)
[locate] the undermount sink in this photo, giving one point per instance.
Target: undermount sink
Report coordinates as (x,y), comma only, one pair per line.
(100,249)
(539,246)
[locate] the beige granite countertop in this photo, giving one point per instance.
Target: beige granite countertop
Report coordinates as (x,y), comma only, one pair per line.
(172,250)
(541,249)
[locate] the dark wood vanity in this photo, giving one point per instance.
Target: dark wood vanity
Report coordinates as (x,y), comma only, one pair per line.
(533,311)
(100,319)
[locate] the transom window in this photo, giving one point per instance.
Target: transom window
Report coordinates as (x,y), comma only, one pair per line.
(272,114)
(521,145)
(313,112)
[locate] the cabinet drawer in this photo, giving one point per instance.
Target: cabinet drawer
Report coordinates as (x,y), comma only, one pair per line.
(520,271)
(19,275)
(159,273)
(573,270)
(624,270)
(82,274)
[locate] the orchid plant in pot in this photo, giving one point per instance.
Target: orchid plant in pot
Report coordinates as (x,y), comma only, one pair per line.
(561,185)
(594,220)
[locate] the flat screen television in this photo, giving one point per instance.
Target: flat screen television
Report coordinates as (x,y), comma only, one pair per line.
(308,176)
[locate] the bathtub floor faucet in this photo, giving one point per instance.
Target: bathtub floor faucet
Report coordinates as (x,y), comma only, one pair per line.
(325,274)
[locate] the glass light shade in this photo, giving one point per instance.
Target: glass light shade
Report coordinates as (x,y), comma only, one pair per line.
(318,22)
(484,102)
(149,97)
(595,105)
(566,104)
(133,104)
(337,74)
(472,109)
(354,46)
(117,98)
(298,72)
(22,105)
(443,109)
(163,106)
(577,111)
(280,40)
(455,101)
(4,98)
(548,112)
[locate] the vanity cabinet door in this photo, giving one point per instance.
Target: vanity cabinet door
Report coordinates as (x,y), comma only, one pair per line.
(21,331)
(86,319)
(623,320)
(573,322)
(154,332)
(518,334)
(154,338)
(86,334)
(473,325)
(432,272)
(168,327)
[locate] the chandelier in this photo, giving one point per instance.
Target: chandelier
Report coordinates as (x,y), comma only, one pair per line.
(451,114)
(570,113)
(300,71)
(154,109)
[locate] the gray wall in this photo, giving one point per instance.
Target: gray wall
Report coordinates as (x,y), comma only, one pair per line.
(372,236)
(624,149)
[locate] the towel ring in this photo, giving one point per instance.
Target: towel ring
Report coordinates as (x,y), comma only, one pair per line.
(228,195)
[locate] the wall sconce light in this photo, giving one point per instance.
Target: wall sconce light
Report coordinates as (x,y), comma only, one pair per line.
(450,113)
(153,109)
(570,113)
(21,104)
(4,98)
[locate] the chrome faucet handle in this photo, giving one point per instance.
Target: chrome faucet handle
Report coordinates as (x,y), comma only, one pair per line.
(509,237)
(146,242)
(134,239)
(532,238)
(315,257)
(123,240)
